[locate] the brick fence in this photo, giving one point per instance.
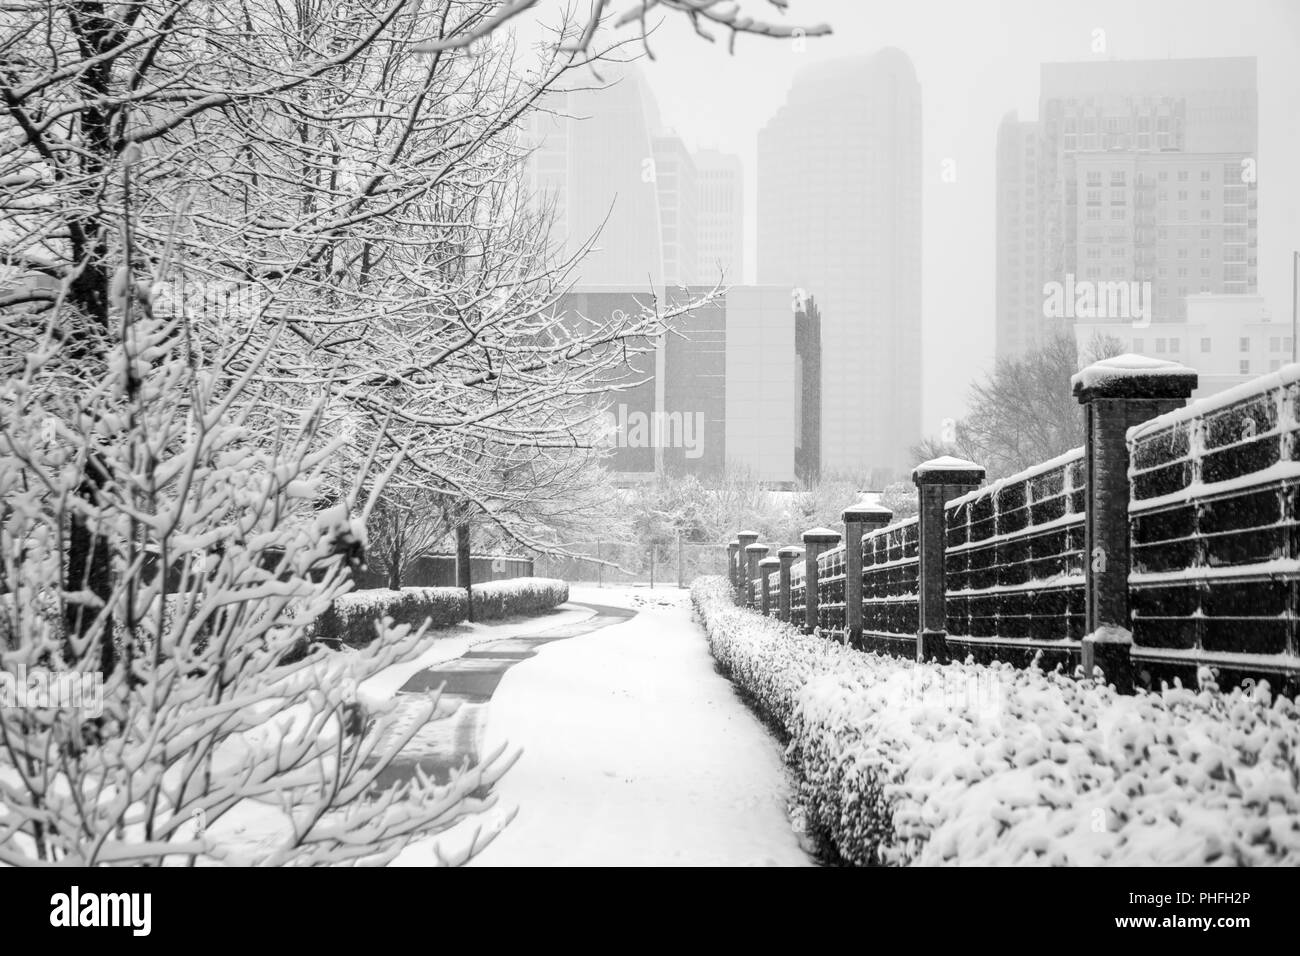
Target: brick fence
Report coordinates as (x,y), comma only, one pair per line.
(1168,542)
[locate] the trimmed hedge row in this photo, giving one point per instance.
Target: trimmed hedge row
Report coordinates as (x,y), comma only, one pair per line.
(352,618)
(901,763)
(497,599)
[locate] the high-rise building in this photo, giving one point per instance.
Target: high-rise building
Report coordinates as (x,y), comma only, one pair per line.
(1144,184)
(808,392)
(593,163)
(1019,315)
(675,185)
(720,218)
(839,212)
(735,386)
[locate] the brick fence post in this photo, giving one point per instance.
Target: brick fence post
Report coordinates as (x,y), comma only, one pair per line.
(815,541)
(1116,394)
(787,557)
(743,540)
(754,553)
(937,481)
(765,569)
(733,549)
(858,520)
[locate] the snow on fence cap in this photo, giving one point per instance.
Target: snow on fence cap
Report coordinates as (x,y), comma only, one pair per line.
(769,563)
(820,535)
(947,468)
(751,535)
(789,551)
(867,512)
(733,543)
(1134,376)
(756,548)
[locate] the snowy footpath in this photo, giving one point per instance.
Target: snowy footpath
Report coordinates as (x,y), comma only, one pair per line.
(634,752)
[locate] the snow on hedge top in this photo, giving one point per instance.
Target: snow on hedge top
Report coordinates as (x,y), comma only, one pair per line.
(821,534)
(1132,371)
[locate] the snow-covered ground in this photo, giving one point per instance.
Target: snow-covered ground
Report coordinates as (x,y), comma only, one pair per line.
(257,825)
(635,752)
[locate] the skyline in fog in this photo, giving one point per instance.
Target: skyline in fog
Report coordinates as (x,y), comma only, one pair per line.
(974,65)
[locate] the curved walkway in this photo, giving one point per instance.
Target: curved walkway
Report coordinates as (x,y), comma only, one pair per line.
(468,683)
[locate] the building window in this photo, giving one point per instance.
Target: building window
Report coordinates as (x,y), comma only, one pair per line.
(1205,175)
(1160,346)
(1244,343)
(1174,345)
(1205,345)
(1244,366)
(1182,175)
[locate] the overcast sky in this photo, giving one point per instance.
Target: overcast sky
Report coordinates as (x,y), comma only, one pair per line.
(975,61)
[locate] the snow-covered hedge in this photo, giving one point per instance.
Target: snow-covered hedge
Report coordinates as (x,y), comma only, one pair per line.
(904,763)
(352,618)
(495,599)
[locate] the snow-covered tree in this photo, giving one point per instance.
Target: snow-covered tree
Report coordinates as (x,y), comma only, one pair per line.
(223,543)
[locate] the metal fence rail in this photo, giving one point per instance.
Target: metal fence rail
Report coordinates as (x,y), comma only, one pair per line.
(1215,523)
(1168,543)
(890,586)
(1014,561)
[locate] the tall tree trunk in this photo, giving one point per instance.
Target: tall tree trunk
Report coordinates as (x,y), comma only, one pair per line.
(463,576)
(395,570)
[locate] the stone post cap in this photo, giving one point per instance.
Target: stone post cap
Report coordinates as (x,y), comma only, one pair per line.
(734,544)
(742,535)
(756,549)
(789,552)
(1133,376)
(867,514)
(821,536)
(770,563)
(947,470)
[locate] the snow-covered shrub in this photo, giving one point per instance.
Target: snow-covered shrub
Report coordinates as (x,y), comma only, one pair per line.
(354,617)
(143,457)
(905,763)
(498,599)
